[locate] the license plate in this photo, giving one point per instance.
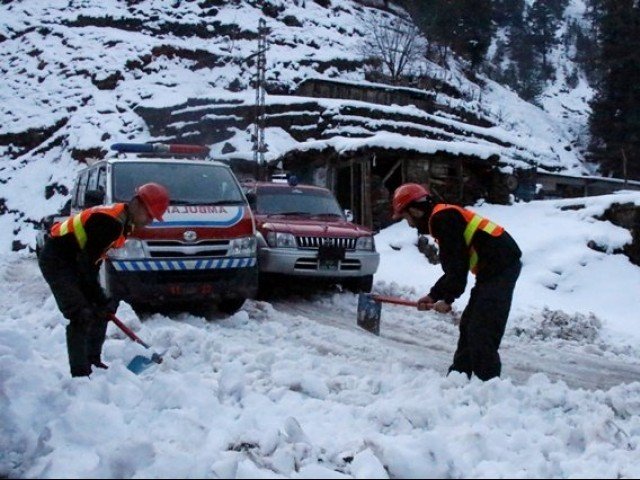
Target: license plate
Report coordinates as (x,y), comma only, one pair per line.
(180,289)
(328,264)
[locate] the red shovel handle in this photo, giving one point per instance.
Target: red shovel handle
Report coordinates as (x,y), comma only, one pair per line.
(397,301)
(128,332)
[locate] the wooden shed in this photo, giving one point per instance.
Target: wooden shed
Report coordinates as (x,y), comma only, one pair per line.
(364,179)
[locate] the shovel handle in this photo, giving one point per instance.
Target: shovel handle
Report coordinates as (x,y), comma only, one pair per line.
(395,300)
(128,332)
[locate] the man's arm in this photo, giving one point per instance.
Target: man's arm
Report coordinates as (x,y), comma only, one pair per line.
(102,230)
(448,228)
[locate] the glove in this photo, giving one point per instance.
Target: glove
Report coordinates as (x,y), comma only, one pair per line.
(442,307)
(112,306)
(107,310)
(425,303)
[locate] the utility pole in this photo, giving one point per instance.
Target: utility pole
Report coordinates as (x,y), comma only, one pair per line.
(259,146)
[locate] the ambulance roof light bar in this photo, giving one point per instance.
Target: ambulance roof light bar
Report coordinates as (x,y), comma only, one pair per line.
(161,148)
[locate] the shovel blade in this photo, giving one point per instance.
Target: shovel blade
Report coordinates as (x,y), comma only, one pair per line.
(140,363)
(369,312)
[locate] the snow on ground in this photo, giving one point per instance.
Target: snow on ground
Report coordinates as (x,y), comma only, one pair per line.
(291,388)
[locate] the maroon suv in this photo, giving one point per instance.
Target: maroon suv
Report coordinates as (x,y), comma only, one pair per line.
(303,232)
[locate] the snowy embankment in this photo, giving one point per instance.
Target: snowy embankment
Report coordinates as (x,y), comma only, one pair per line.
(291,388)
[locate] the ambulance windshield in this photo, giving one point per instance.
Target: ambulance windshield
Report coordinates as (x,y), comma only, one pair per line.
(188,183)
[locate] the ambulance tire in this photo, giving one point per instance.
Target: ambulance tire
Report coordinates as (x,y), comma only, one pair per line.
(267,285)
(231,305)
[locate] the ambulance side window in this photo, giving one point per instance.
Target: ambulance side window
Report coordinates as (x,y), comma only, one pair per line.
(93,179)
(74,195)
(102,179)
(82,187)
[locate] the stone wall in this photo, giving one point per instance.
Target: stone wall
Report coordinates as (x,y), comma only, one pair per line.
(627,215)
(380,95)
(424,99)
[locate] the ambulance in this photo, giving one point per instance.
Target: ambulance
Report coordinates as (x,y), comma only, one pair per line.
(202,253)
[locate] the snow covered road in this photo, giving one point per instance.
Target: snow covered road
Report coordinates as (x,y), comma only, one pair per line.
(428,340)
(292,388)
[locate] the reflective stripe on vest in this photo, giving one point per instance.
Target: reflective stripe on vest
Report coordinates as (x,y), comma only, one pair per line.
(76,223)
(475,222)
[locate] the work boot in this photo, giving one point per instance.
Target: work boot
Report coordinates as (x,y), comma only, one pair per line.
(95,340)
(454,368)
(96,362)
(81,371)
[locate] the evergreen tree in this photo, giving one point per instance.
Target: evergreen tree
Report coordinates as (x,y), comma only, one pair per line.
(532,34)
(476,29)
(543,21)
(508,13)
(615,119)
(465,26)
(526,67)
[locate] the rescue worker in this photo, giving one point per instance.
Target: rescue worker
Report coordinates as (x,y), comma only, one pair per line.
(70,261)
(466,242)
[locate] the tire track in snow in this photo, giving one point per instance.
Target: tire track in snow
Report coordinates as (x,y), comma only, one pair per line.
(431,343)
(417,340)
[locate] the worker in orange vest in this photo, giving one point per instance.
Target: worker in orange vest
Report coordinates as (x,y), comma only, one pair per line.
(70,261)
(467,242)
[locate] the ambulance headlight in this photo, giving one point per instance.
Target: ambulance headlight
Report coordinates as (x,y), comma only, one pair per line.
(243,247)
(133,248)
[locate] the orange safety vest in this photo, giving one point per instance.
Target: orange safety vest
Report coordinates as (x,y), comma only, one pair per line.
(75,224)
(475,222)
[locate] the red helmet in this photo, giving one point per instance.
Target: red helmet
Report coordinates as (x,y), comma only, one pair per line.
(155,198)
(406,194)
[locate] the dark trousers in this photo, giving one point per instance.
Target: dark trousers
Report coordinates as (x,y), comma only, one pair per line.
(483,324)
(86,331)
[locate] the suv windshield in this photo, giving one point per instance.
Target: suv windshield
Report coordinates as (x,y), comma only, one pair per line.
(188,184)
(283,201)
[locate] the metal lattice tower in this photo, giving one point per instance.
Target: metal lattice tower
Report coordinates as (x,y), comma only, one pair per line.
(259,146)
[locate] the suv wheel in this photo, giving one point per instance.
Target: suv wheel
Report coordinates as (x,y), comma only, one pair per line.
(359,284)
(231,305)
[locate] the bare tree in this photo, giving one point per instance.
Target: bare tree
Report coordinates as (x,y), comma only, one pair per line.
(393,43)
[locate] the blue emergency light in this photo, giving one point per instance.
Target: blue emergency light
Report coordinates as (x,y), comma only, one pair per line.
(176,148)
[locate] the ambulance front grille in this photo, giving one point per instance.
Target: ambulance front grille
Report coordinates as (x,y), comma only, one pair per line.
(179,249)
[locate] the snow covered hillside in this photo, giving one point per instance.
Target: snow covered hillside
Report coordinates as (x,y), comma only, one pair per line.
(292,388)
(75,74)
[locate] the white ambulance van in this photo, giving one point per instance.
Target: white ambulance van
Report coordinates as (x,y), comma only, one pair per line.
(204,250)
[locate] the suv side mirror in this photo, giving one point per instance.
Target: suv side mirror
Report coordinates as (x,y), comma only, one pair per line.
(66,208)
(349,215)
(93,198)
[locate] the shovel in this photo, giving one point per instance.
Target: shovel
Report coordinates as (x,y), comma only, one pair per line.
(370,308)
(139,362)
